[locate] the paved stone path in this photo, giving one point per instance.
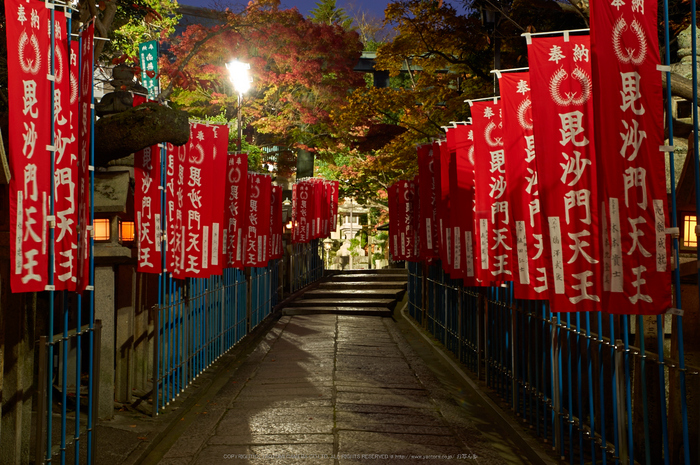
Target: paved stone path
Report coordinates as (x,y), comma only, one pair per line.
(336,389)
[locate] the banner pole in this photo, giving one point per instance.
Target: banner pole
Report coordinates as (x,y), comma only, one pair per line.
(91,287)
(50,287)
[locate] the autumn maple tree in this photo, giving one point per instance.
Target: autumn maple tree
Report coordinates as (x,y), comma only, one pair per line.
(302,70)
(437,58)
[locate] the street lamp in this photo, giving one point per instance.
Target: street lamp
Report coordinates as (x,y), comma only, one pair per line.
(238,73)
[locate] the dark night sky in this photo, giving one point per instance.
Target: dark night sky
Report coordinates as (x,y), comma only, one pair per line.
(374,7)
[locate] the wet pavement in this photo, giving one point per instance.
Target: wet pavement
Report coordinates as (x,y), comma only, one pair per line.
(341,389)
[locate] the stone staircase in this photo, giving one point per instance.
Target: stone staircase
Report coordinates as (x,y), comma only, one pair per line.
(356,292)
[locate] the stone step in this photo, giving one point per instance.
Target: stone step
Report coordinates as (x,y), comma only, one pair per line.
(361,285)
(388,303)
(360,311)
(345,294)
(401,277)
(373,271)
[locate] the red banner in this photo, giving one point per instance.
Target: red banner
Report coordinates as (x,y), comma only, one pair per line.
(203,193)
(66,161)
(492,202)
(405,193)
(334,205)
(175,203)
(29,101)
(563,119)
(276,225)
(327,209)
(304,212)
(85,118)
(394,222)
(295,213)
(415,220)
(463,195)
(318,190)
(443,208)
(629,111)
(461,198)
(147,209)
(428,204)
(523,188)
(234,213)
(257,235)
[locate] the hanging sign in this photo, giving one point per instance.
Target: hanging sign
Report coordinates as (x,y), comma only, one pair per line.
(85,120)
(443,209)
(29,102)
(628,134)
(560,78)
(147,209)
(257,237)
(65,160)
(493,214)
(234,213)
(148,60)
(428,204)
(276,224)
(530,281)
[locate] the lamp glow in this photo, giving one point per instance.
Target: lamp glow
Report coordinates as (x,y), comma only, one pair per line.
(238,73)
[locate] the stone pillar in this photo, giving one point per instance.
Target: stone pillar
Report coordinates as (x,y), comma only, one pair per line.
(124,343)
(104,310)
(146,298)
(17,371)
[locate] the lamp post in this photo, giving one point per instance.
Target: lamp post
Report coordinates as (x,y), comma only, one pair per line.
(238,73)
(489,19)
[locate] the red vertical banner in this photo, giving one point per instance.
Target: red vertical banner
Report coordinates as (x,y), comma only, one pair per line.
(176,158)
(217,195)
(440,210)
(404,219)
(530,280)
(456,208)
(276,224)
(234,213)
(304,211)
(295,213)
(66,163)
(317,227)
(29,101)
(147,209)
(493,215)
(462,193)
(410,197)
(327,209)
(394,222)
(196,212)
(334,205)
(85,81)
(203,176)
(628,133)
(428,202)
(258,220)
(560,77)
(415,219)
(444,216)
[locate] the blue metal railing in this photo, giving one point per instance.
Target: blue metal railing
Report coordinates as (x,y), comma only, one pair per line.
(577,379)
(199,320)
